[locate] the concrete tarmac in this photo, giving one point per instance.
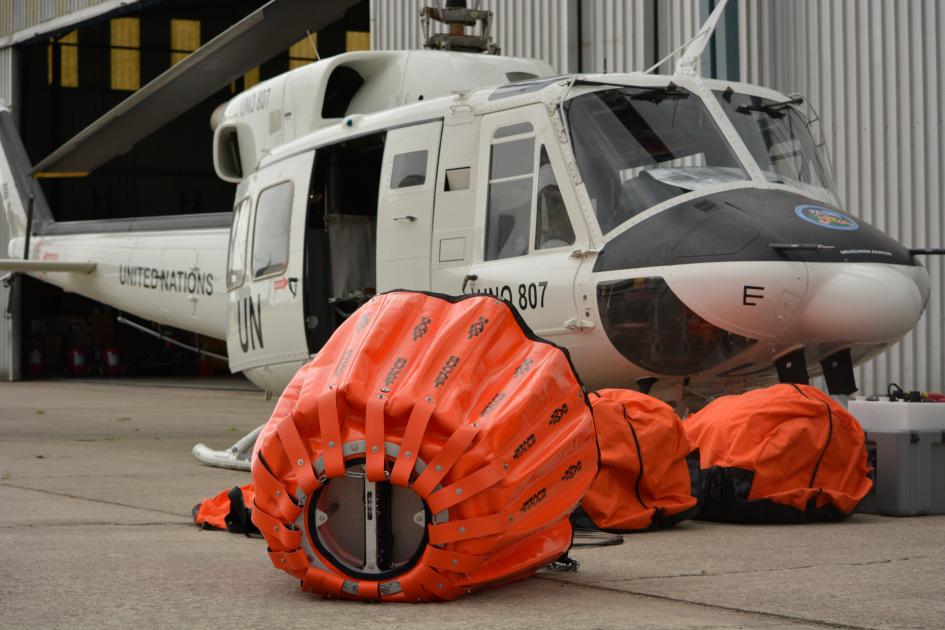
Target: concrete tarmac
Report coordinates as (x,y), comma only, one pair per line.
(97,483)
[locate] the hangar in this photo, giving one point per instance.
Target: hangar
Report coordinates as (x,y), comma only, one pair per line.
(66,64)
(865,67)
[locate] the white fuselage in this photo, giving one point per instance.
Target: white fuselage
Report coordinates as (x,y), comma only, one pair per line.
(173,277)
(308,245)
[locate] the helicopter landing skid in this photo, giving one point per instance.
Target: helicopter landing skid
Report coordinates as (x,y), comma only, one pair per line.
(237,457)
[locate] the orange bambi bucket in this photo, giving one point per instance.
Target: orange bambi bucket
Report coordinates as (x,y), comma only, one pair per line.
(434,446)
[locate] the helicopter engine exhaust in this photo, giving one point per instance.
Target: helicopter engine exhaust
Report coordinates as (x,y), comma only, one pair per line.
(433,447)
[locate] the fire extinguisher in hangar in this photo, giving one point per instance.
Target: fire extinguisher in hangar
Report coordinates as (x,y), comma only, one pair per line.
(112,361)
(77,361)
(35,365)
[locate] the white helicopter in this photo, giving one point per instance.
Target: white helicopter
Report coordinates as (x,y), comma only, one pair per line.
(665,229)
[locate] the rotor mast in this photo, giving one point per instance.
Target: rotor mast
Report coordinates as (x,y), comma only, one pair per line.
(457,16)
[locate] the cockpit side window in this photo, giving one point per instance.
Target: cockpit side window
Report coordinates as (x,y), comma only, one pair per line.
(552,227)
(236,254)
(511,177)
(637,147)
(271,231)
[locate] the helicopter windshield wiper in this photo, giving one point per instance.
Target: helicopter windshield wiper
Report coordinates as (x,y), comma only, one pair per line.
(775,110)
(799,247)
(659,94)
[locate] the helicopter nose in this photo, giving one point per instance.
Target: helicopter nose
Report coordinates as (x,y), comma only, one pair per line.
(862,303)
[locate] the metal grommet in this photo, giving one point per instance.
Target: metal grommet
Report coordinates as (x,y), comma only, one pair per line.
(275,528)
(459,490)
(300,461)
(374,449)
(438,468)
(440,585)
(385,389)
(278,493)
(407,454)
(462,530)
(429,398)
(505,465)
(331,444)
(454,561)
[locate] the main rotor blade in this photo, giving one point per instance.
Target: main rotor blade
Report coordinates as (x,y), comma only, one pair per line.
(259,36)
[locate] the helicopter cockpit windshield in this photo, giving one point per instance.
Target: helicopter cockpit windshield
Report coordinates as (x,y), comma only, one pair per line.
(779,139)
(637,147)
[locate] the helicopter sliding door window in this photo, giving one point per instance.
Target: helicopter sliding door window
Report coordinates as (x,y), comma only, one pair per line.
(511,179)
(553,227)
(271,230)
(236,259)
(410,169)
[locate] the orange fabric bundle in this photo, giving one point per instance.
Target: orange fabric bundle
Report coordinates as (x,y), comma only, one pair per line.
(644,481)
(787,453)
(227,510)
(449,404)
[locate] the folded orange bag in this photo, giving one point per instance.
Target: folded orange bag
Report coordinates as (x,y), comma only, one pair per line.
(227,510)
(783,454)
(645,480)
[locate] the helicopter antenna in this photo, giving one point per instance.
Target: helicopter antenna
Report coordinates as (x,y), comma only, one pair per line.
(671,54)
(686,66)
(314,47)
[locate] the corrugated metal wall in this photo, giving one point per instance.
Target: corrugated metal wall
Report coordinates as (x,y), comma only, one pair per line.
(617,35)
(9,330)
(875,69)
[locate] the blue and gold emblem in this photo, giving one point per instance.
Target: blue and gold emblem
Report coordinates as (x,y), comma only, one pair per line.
(825,217)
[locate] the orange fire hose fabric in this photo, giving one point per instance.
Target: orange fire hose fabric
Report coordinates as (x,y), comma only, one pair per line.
(645,482)
(783,454)
(451,403)
(227,510)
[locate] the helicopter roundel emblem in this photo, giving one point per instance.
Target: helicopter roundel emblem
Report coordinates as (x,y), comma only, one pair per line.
(825,217)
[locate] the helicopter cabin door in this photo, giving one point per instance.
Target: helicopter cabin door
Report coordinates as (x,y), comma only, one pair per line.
(265,331)
(405,207)
(527,224)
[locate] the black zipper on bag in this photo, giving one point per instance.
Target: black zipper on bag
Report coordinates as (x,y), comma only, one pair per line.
(636,442)
(823,450)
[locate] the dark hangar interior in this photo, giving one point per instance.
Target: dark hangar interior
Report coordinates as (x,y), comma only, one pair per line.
(68,79)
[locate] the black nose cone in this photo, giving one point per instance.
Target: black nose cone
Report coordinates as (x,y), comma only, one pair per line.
(743,225)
